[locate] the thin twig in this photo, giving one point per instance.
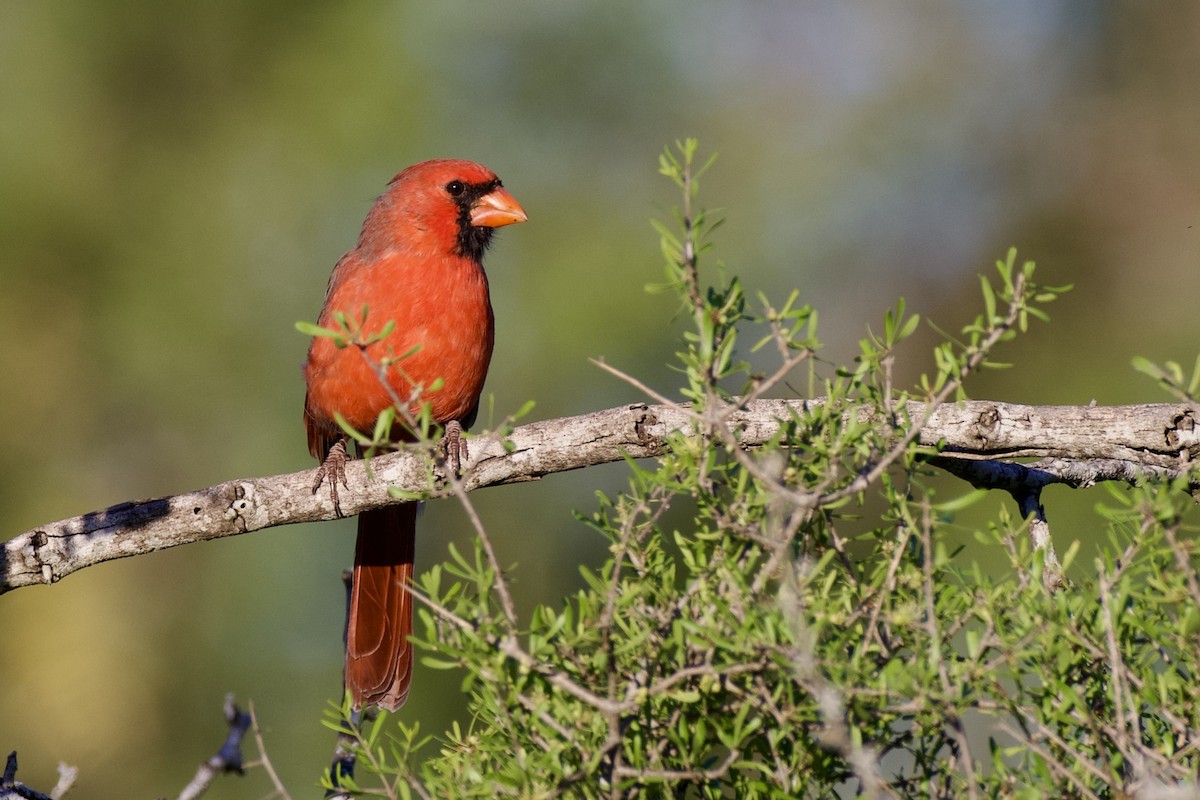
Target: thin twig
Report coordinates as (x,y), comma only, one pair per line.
(227,759)
(264,760)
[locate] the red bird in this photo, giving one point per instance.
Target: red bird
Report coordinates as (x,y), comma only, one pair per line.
(418,264)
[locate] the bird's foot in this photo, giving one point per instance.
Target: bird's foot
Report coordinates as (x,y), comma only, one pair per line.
(454,446)
(333,468)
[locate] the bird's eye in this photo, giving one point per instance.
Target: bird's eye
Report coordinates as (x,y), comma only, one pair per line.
(455,188)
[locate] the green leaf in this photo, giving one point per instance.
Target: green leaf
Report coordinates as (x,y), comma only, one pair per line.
(312,329)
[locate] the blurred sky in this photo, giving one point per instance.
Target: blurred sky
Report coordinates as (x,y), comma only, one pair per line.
(177,180)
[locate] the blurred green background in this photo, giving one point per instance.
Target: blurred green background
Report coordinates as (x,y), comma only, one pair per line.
(177,180)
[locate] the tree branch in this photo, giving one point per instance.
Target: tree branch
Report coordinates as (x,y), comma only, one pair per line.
(1147,441)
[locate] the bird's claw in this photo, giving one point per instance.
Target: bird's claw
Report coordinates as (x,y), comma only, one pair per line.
(454,447)
(333,468)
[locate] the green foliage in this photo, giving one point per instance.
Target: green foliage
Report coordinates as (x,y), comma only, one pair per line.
(1170,377)
(799,621)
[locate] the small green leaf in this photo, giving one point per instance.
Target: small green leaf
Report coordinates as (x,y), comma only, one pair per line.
(312,329)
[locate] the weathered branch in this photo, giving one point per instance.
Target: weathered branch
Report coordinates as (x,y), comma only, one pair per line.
(1147,441)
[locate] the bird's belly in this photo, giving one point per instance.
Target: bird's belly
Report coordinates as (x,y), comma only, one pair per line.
(443,361)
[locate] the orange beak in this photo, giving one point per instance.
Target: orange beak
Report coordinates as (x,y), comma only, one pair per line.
(496,209)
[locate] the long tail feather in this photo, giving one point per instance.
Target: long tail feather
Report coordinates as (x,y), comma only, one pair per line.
(378,655)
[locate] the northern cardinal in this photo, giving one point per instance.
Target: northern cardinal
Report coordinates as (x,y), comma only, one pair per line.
(417,264)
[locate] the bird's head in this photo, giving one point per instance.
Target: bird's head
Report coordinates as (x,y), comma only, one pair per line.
(445,204)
